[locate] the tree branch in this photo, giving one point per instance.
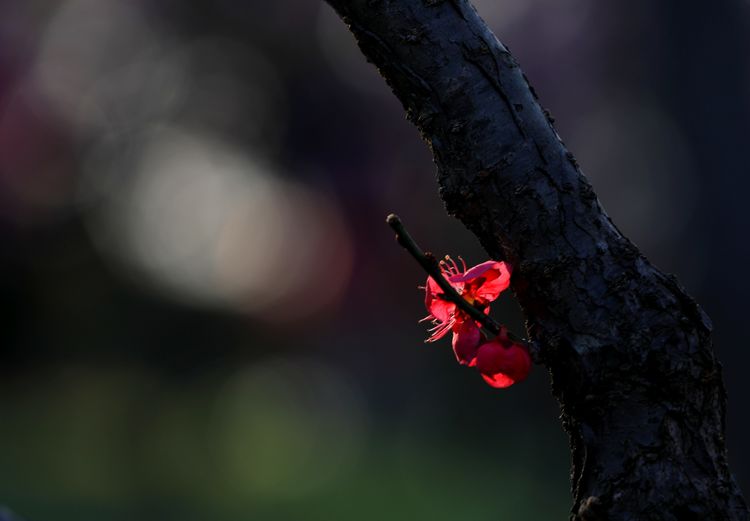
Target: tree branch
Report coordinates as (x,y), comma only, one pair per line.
(629,351)
(430,264)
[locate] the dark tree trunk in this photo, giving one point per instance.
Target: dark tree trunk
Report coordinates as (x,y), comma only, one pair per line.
(629,351)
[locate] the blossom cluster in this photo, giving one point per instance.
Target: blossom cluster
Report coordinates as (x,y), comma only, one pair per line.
(501,361)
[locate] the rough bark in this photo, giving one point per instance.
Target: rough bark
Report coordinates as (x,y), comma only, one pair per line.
(629,351)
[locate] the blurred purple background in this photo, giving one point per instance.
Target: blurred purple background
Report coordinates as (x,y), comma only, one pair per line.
(204,315)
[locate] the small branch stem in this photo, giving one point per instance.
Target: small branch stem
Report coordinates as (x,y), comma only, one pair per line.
(431,265)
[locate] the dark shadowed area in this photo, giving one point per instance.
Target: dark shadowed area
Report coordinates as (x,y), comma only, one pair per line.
(204,314)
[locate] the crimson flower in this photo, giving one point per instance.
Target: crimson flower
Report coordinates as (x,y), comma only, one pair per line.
(479,286)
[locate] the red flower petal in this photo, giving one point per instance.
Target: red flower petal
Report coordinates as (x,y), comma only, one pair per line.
(498,381)
(489,280)
(466,340)
(476,271)
(496,280)
(503,364)
(438,308)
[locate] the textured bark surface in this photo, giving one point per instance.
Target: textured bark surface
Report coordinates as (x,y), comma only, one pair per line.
(629,351)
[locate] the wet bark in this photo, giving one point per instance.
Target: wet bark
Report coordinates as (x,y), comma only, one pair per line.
(629,351)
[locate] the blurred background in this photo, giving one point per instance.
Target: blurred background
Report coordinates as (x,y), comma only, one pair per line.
(204,315)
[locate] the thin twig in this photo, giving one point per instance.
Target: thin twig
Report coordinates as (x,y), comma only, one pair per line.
(430,264)
(432,267)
